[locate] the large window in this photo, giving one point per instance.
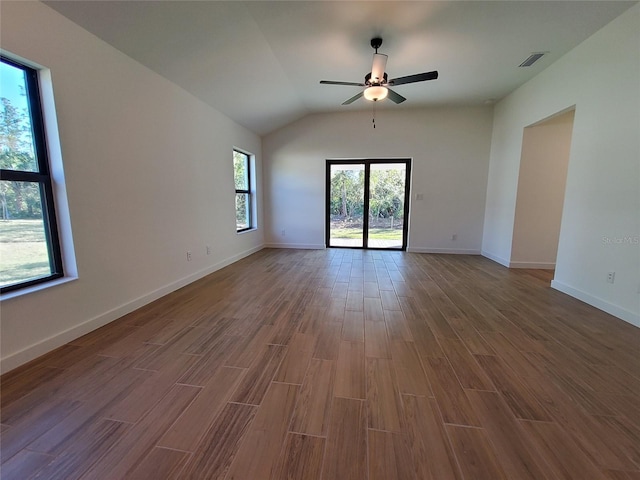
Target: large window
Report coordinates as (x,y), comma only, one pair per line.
(242,177)
(29,245)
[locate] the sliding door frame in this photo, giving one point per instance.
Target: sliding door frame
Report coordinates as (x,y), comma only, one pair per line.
(367,162)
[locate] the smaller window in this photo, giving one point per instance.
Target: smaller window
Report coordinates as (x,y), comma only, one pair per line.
(244,200)
(29,244)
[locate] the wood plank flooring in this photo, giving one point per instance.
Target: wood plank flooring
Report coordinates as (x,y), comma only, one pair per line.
(336,365)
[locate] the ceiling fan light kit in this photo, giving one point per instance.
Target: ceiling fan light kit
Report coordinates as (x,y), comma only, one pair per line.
(375,93)
(376,84)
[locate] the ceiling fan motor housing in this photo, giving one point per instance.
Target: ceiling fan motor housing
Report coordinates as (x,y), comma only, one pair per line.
(367,80)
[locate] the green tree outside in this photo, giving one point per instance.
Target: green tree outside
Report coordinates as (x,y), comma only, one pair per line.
(19,200)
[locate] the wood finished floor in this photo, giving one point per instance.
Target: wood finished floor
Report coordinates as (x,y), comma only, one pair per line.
(337,364)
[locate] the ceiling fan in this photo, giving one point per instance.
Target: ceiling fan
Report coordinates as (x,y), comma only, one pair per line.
(376,83)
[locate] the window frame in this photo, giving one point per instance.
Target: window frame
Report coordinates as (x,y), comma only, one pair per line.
(246,191)
(42,177)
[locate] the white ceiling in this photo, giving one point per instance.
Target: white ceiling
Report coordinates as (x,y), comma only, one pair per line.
(260,62)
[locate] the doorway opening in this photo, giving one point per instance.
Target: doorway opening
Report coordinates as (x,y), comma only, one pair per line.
(367,203)
(542,180)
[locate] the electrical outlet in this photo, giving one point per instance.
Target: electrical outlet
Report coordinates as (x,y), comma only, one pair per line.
(208,249)
(611,277)
(283,232)
(454,236)
(188,256)
(419,196)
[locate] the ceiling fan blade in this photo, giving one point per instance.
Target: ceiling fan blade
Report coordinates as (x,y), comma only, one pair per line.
(377,69)
(418,77)
(353,99)
(395,97)
(351,84)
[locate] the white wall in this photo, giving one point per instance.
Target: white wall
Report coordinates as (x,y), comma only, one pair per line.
(601,220)
(541,183)
(450,151)
(149,176)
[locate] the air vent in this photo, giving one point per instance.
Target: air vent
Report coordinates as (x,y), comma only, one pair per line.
(533,58)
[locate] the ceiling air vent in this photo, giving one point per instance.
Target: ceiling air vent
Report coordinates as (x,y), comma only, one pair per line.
(533,58)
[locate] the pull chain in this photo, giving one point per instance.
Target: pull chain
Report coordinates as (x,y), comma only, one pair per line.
(374,114)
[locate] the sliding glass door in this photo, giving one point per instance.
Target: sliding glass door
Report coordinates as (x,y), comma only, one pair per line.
(346,191)
(367,203)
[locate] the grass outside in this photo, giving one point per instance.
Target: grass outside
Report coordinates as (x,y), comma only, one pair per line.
(23,251)
(374,233)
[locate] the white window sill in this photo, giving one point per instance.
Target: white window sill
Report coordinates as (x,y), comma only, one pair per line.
(247,231)
(36,288)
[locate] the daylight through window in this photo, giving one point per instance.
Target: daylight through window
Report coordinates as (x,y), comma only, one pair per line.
(29,245)
(242,177)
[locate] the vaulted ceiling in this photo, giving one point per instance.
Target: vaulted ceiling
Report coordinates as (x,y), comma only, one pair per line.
(260,62)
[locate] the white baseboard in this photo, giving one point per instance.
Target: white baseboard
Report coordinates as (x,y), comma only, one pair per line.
(495,258)
(539,265)
(509,264)
(599,303)
(455,251)
(44,346)
(301,246)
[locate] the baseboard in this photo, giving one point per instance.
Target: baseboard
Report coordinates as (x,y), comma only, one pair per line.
(599,303)
(301,246)
(455,251)
(495,258)
(506,263)
(45,346)
(538,265)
